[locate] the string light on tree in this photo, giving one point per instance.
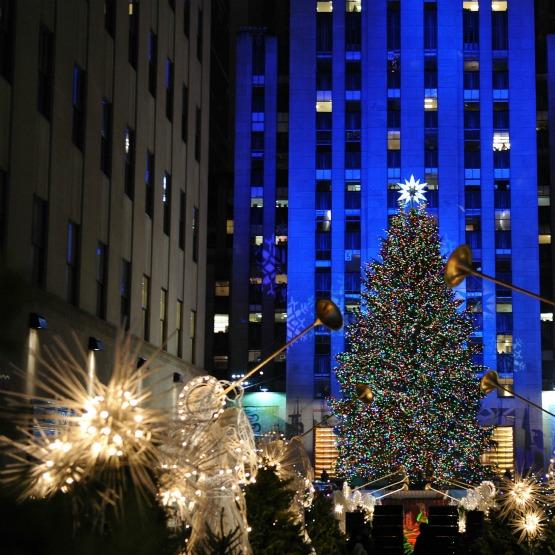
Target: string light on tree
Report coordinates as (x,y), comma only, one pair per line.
(410,344)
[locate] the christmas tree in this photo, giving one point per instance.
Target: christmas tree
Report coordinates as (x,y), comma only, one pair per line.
(410,343)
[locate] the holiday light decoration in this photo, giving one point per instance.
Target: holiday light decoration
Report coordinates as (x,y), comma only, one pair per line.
(529,525)
(481,498)
(207,455)
(109,429)
(521,495)
(412,191)
(410,343)
(291,463)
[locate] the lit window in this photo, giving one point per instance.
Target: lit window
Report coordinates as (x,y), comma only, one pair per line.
(504,344)
(353,187)
(254,356)
(323,106)
(258,240)
(281,278)
(393,140)
(473,5)
(353,5)
(503,307)
(324,6)
(255,317)
(255,280)
(220,362)
(229,227)
(545,239)
(501,457)
(507,383)
(499,5)
(502,220)
(281,240)
(280,317)
(221,323)
(501,140)
(222,288)
(546,316)
(430,103)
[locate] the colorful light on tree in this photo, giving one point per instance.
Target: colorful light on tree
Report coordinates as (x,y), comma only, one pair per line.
(410,343)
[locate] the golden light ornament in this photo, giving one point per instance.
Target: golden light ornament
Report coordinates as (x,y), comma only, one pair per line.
(529,525)
(521,495)
(102,434)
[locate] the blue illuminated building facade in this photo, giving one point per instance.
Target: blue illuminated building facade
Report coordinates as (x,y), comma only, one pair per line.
(379,90)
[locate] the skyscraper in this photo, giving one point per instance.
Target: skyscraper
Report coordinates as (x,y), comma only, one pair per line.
(380,91)
(103,172)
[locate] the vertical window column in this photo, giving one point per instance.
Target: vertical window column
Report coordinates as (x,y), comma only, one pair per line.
(45,73)
(72,263)
(79,104)
(101,279)
(39,238)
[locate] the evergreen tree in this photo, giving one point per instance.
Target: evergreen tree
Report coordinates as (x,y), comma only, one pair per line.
(410,343)
(323,528)
(273,527)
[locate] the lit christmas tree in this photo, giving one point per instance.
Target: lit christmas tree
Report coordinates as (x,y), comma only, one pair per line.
(410,343)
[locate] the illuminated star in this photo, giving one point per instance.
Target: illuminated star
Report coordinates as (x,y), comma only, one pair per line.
(412,191)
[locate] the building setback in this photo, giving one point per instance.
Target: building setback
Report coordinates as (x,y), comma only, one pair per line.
(103,164)
(378,91)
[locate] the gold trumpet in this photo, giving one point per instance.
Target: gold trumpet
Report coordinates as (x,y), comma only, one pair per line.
(327,314)
(490,382)
(459,266)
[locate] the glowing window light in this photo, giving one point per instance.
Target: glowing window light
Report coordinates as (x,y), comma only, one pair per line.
(430,103)
(499,6)
(501,141)
(472,5)
(326,6)
(324,106)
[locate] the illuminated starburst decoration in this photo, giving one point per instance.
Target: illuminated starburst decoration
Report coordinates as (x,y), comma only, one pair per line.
(412,191)
(110,432)
(530,525)
(522,495)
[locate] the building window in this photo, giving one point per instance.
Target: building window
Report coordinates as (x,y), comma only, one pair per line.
(145,307)
(504,344)
(101,279)
(499,30)
(472,198)
(106,138)
(195,233)
(39,238)
(471,26)
(72,263)
(46,53)
(473,232)
(110,16)
(186,17)
(169,89)
(322,282)
(192,333)
(501,456)
(393,140)
(179,327)
(430,26)
(324,32)
(185,113)
(149,184)
(200,35)
(172,4)
(393,27)
(152,63)
(78,101)
(182,216)
(129,172)
(166,201)
(163,317)
(221,289)
(324,6)
(7,18)
(133,10)
(221,323)
(125,293)
(353,36)
(198,123)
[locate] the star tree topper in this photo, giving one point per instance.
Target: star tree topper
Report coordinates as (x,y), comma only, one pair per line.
(412,191)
